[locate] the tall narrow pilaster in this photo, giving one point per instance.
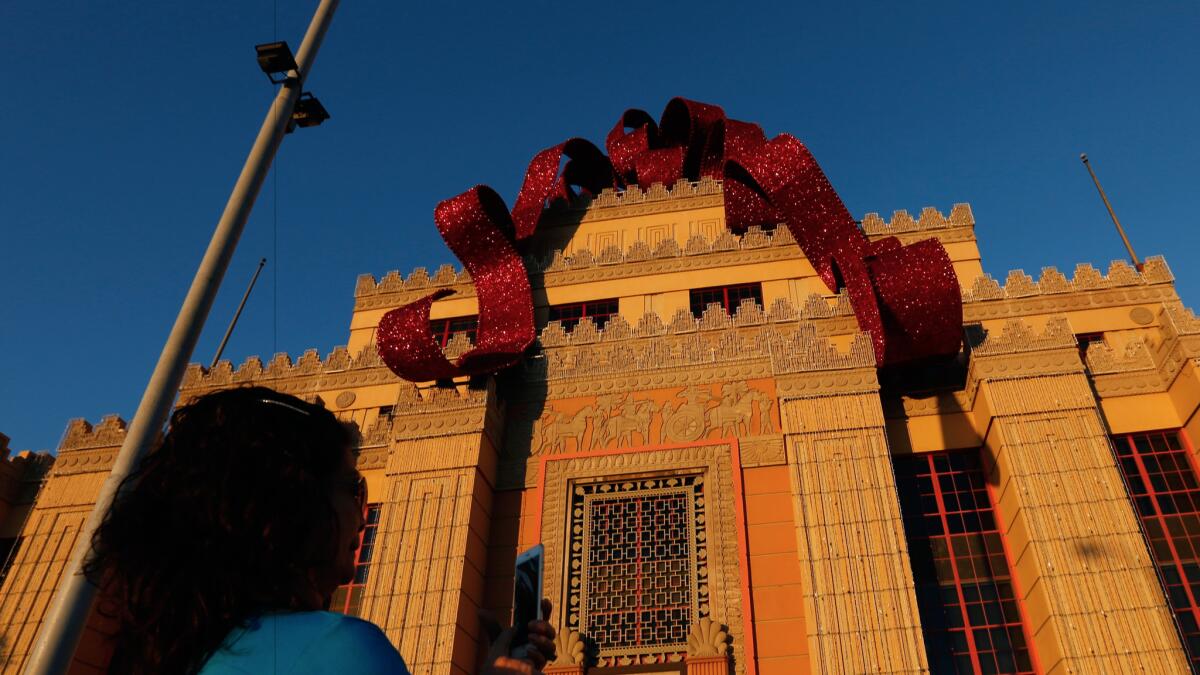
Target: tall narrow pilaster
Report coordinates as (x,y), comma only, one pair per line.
(860,601)
(426,583)
(1087,582)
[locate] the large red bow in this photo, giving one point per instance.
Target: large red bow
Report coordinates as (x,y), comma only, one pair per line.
(907,297)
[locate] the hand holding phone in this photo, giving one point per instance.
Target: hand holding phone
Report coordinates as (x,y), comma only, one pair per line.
(527,596)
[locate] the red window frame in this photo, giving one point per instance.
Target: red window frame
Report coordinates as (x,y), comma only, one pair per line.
(729,297)
(445,329)
(969,602)
(569,315)
(347,599)
(1161,478)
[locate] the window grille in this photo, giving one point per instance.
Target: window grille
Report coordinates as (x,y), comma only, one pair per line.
(569,315)
(638,564)
(347,599)
(728,297)
(1166,495)
(969,609)
(445,329)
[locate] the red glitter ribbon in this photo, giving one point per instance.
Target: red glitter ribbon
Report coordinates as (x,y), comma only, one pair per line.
(907,297)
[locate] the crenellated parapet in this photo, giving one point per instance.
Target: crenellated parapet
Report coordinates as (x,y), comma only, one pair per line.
(306,375)
(929,221)
(1052,282)
(81,435)
(664,255)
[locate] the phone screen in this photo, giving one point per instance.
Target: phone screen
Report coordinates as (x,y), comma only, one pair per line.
(527,595)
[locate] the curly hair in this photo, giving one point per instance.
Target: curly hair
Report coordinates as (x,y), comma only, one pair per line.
(223,521)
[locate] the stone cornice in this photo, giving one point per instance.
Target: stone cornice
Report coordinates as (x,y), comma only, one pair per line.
(1142,369)
(1015,351)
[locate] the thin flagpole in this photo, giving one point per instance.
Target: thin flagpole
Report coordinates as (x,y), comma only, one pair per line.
(1113,214)
(65,619)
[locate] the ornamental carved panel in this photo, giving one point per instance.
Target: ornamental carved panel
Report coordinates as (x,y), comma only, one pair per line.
(687,414)
(668,513)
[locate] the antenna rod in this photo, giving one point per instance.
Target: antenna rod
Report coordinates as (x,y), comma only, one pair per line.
(237,314)
(54,648)
(1120,230)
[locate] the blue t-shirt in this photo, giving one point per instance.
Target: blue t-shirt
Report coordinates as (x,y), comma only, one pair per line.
(306,643)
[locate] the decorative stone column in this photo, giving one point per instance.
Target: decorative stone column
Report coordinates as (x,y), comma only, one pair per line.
(426,582)
(859,597)
(1090,593)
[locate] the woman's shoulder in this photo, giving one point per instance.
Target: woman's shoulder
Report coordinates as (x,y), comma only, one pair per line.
(299,643)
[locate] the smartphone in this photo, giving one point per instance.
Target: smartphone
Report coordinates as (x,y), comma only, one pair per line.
(527,596)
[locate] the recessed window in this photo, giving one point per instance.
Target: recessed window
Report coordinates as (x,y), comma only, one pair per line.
(348,598)
(1166,496)
(728,297)
(599,311)
(445,329)
(969,610)
(639,559)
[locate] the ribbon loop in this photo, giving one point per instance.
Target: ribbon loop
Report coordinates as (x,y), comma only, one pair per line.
(906,297)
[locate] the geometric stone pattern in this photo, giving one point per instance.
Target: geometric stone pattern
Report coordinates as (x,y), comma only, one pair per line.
(1094,601)
(860,604)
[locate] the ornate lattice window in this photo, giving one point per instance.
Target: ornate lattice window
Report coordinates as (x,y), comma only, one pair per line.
(965,593)
(638,573)
(1165,492)
(348,598)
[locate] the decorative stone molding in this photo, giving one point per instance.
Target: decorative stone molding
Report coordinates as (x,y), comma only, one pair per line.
(1019,336)
(707,638)
(930,219)
(110,432)
(1102,359)
(1052,282)
(569,648)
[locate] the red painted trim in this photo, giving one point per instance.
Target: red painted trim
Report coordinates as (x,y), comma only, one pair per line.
(1012,572)
(739,503)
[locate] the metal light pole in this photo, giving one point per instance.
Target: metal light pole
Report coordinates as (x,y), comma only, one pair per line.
(64,621)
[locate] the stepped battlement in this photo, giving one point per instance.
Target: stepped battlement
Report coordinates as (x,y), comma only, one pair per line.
(81,435)
(1018,284)
(582,258)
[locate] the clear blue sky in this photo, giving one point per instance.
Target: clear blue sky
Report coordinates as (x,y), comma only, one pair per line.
(124,125)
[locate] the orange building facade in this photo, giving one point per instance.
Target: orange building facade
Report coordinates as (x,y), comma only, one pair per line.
(724,481)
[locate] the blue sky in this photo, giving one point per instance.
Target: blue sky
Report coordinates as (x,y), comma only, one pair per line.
(124,126)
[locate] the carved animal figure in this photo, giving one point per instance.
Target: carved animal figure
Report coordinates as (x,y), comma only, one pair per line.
(633,416)
(732,414)
(557,429)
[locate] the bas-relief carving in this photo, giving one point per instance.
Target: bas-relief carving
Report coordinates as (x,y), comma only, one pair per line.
(682,415)
(715,461)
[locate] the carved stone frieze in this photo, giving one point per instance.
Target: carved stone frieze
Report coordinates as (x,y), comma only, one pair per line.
(720,410)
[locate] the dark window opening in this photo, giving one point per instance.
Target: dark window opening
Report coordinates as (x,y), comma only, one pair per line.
(348,598)
(8,553)
(969,607)
(1086,339)
(600,311)
(1166,495)
(443,330)
(728,297)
